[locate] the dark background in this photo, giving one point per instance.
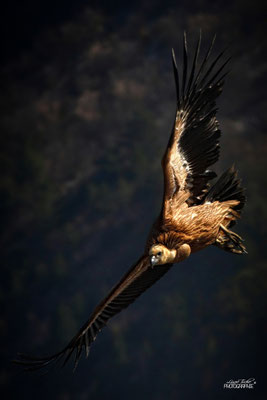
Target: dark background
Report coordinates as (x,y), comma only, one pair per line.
(87,103)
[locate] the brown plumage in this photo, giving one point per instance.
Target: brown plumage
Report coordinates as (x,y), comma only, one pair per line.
(194,214)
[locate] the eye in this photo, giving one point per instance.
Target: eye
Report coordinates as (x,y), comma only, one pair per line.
(159,253)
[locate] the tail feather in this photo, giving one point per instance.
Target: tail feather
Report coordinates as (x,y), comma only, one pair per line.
(227,189)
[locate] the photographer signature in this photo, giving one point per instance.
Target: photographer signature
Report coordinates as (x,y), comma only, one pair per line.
(238,381)
(240,384)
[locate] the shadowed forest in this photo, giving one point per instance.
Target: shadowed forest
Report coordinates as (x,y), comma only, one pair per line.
(87,106)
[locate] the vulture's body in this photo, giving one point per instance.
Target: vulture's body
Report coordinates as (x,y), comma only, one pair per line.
(194,214)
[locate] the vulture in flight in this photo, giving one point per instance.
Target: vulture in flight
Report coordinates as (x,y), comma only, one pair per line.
(194,213)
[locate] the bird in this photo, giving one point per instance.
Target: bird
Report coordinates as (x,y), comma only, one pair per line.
(196,211)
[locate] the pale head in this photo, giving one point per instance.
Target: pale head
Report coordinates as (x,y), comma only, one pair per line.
(160,254)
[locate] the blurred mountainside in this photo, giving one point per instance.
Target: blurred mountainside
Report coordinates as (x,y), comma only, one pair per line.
(86,116)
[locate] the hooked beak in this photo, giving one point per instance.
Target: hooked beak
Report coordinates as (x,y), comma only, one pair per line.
(153,261)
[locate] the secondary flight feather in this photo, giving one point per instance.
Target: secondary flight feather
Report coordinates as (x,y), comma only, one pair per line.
(194,213)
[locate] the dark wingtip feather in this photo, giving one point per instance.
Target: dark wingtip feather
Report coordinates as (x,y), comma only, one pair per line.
(218,72)
(78,355)
(185,58)
(68,354)
(210,69)
(194,65)
(30,363)
(205,60)
(176,76)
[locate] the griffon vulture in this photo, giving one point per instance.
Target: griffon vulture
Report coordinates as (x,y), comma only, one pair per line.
(194,214)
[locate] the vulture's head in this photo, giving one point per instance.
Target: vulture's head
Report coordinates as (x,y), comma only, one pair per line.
(160,254)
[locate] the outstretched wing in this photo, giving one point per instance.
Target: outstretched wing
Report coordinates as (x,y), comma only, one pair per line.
(194,141)
(139,278)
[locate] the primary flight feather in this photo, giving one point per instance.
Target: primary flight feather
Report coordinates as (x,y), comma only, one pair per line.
(194,214)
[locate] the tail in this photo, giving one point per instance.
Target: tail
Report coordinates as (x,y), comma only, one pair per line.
(228,189)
